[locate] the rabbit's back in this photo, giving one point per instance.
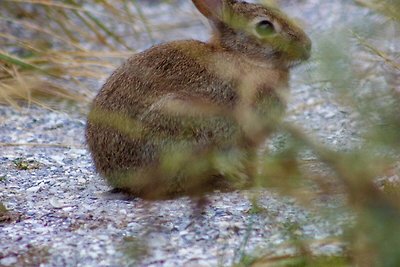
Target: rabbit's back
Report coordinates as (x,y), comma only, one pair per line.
(177,67)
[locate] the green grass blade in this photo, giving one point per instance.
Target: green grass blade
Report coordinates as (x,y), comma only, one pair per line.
(18,62)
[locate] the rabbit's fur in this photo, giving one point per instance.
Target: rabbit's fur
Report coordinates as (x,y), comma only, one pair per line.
(165,120)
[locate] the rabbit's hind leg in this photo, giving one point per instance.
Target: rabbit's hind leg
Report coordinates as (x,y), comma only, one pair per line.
(196,142)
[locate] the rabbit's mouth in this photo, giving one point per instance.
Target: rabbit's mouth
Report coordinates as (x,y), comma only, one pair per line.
(287,62)
(297,57)
(288,58)
(294,63)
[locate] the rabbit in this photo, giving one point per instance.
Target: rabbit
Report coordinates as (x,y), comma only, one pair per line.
(187,117)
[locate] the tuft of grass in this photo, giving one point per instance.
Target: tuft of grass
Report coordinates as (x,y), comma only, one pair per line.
(342,61)
(3,209)
(22,164)
(8,216)
(55,48)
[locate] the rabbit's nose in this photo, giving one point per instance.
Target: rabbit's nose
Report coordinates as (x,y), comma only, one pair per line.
(306,49)
(308,45)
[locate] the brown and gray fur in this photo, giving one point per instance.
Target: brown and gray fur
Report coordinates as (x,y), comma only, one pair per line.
(187,96)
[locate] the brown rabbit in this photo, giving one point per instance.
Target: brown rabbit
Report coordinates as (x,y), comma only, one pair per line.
(186,117)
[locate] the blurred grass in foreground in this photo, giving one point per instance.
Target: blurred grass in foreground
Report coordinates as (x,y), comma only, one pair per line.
(360,63)
(43,53)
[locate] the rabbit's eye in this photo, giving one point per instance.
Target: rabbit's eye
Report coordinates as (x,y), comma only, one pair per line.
(265,28)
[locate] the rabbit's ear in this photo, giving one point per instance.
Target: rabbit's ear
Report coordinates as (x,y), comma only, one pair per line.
(211,9)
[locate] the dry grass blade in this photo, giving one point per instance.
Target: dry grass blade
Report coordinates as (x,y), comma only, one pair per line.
(38,28)
(19,42)
(20,80)
(32,89)
(70,7)
(144,20)
(387,8)
(4,57)
(376,51)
